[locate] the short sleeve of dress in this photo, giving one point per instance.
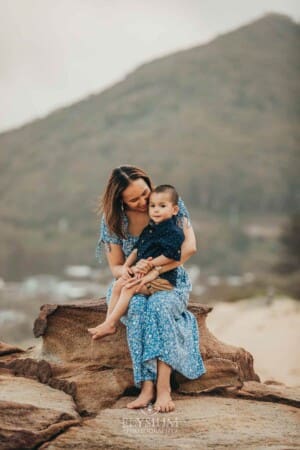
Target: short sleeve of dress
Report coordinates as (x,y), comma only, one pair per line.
(105,238)
(171,244)
(182,214)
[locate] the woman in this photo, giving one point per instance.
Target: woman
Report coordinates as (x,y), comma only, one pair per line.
(162,335)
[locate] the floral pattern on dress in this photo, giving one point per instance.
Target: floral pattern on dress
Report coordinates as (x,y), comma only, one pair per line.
(158,326)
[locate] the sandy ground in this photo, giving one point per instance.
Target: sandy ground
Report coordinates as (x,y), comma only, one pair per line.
(270,331)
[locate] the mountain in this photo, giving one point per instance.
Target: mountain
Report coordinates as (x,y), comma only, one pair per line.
(219,120)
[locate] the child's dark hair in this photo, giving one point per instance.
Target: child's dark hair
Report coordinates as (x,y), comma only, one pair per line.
(170,190)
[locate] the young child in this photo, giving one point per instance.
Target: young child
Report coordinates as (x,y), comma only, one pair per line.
(161,240)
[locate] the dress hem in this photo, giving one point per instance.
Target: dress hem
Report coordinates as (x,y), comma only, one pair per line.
(165,360)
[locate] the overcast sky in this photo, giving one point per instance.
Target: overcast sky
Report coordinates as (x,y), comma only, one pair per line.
(54,52)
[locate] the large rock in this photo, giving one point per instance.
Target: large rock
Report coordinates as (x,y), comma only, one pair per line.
(271,393)
(198,423)
(65,339)
(221,373)
(68,370)
(6,349)
(96,387)
(32,413)
(92,386)
(96,373)
(65,336)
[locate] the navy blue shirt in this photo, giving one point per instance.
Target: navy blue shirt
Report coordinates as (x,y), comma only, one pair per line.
(164,238)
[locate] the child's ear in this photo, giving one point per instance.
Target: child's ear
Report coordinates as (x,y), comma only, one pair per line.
(175,210)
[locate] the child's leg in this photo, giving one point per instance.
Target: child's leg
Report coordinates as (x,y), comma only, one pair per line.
(115,294)
(116,291)
(109,326)
(123,302)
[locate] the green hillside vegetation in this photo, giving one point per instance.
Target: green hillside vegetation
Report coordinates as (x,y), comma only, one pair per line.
(220,121)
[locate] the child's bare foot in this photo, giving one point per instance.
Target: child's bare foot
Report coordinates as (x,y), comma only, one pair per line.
(164,402)
(102,330)
(146,396)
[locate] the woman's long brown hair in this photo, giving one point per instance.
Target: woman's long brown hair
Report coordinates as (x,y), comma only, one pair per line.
(111,202)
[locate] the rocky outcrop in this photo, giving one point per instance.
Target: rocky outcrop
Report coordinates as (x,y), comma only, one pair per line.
(65,336)
(96,373)
(199,423)
(221,373)
(87,382)
(65,339)
(272,393)
(32,413)
(6,349)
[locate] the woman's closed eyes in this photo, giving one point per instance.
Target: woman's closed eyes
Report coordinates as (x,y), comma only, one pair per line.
(136,199)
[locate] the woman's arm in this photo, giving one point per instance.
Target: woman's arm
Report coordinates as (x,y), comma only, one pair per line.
(131,259)
(116,259)
(188,248)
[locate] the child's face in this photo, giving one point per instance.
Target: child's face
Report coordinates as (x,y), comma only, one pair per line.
(161,207)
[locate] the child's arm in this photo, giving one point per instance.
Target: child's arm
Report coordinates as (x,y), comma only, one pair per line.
(153,263)
(160,260)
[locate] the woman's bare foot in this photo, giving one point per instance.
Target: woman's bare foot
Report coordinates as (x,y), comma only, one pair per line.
(104,329)
(146,396)
(164,402)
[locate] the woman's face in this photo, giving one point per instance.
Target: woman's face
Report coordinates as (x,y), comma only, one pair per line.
(136,196)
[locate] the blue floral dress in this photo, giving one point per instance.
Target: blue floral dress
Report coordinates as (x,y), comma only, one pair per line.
(159,326)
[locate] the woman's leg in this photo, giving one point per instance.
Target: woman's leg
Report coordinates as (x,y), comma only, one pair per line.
(171,334)
(162,371)
(144,373)
(146,395)
(171,338)
(164,402)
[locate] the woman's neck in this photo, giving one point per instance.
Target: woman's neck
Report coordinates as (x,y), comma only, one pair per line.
(136,221)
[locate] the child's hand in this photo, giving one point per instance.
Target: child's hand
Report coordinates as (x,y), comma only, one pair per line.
(137,273)
(152,275)
(144,265)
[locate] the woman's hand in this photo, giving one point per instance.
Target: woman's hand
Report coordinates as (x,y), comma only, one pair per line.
(124,279)
(136,272)
(152,275)
(144,265)
(126,272)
